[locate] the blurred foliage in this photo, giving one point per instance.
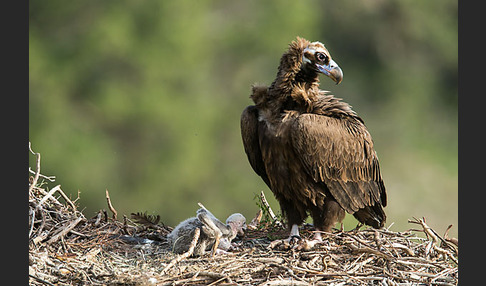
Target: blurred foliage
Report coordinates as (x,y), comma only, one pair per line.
(143,98)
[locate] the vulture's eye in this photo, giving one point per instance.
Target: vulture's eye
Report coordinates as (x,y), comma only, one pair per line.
(321,57)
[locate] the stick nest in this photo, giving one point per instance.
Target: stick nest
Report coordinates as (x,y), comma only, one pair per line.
(66,248)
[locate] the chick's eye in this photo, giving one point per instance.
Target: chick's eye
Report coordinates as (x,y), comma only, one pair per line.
(321,57)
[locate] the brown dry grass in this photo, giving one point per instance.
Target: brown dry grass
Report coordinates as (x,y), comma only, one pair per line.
(66,248)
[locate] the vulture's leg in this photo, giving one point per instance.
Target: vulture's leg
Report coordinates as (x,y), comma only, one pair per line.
(324,218)
(294,231)
(294,218)
(327,217)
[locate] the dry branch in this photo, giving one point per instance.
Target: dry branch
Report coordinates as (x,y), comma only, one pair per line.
(256,220)
(110,206)
(268,209)
(452,240)
(65,248)
(37,172)
(65,230)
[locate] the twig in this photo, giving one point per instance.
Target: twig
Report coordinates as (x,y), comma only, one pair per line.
(268,208)
(63,195)
(50,178)
(219,277)
(285,282)
(436,238)
(426,229)
(65,230)
(397,245)
(37,173)
(452,239)
(110,206)
(54,200)
(41,280)
(186,254)
(32,223)
(49,194)
(366,249)
(256,220)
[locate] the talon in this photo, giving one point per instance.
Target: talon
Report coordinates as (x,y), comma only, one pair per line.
(279,244)
(307,245)
(293,239)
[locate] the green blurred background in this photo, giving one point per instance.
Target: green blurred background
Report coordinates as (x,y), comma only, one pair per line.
(143,98)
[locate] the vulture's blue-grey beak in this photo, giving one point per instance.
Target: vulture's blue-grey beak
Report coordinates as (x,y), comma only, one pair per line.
(332,70)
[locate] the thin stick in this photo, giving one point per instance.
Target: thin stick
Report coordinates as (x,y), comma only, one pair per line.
(186,254)
(63,195)
(268,208)
(284,282)
(256,220)
(41,280)
(32,223)
(366,249)
(110,206)
(50,178)
(37,173)
(435,237)
(451,240)
(46,197)
(65,230)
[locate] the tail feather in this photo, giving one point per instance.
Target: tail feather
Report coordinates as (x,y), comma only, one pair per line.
(371,215)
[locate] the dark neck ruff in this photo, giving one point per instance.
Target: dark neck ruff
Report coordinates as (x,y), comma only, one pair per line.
(307,75)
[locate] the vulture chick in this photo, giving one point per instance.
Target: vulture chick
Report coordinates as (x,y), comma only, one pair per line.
(310,148)
(213,233)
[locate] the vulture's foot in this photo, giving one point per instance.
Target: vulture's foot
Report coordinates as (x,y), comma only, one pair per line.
(294,239)
(307,245)
(280,244)
(294,244)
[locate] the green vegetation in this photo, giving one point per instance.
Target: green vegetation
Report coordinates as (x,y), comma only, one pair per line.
(144,98)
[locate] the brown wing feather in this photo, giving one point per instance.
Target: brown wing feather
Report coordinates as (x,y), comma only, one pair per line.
(249,133)
(339,152)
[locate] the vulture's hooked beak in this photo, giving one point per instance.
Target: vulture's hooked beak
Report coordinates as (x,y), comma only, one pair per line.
(332,70)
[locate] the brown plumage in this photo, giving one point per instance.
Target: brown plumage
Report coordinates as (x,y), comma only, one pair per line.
(310,148)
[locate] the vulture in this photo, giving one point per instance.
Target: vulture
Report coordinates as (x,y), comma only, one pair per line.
(214,234)
(310,148)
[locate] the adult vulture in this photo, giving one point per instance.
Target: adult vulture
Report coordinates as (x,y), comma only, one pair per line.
(310,148)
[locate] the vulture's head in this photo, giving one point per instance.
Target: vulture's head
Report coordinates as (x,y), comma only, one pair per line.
(237,222)
(316,57)
(304,61)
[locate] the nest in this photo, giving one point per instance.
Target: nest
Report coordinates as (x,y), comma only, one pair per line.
(66,248)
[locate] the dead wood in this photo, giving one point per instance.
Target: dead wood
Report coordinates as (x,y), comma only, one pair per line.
(110,206)
(66,248)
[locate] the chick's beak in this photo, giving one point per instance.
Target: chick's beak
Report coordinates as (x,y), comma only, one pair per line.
(332,70)
(242,230)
